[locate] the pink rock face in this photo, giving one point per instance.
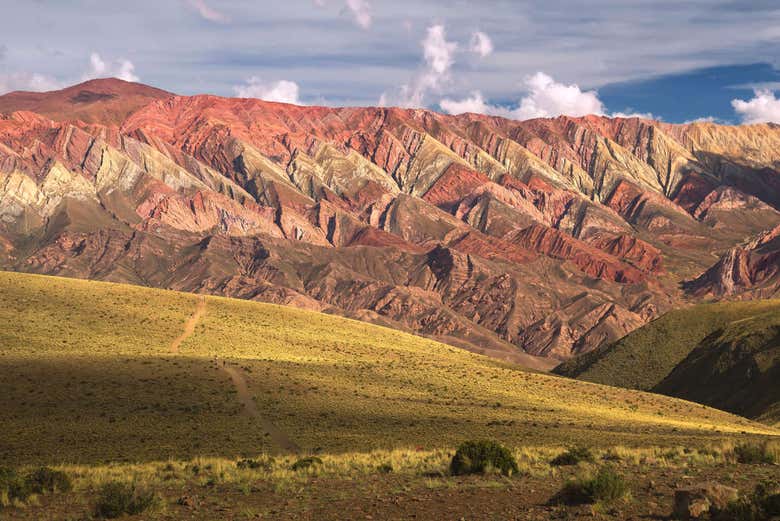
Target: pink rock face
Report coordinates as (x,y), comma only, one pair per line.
(748,271)
(545,237)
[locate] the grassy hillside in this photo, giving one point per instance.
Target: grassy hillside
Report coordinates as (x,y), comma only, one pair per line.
(737,368)
(643,358)
(93,372)
(724,354)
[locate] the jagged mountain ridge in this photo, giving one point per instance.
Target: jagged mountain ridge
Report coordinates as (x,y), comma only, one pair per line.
(545,237)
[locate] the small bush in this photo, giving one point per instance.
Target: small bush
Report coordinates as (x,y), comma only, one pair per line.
(44,479)
(606,486)
(305,463)
(116,499)
(611,455)
(12,487)
(754,454)
(744,509)
(385,468)
(573,456)
(254,464)
(476,457)
(762,505)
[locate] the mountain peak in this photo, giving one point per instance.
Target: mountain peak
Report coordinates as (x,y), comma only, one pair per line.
(103,100)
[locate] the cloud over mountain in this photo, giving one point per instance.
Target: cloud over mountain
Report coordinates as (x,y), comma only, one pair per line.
(544,97)
(282,91)
(763,107)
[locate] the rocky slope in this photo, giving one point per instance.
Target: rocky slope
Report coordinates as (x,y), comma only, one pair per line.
(531,241)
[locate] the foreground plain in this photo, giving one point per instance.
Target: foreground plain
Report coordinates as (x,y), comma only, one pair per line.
(109,381)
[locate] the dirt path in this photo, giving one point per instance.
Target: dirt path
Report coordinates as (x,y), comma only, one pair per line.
(239,382)
(189,326)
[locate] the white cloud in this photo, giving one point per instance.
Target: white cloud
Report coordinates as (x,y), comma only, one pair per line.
(361,11)
(640,115)
(475,103)
(282,91)
(763,107)
(98,68)
(544,98)
(438,56)
(208,13)
(481,44)
(706,119)
(438,52)
(547,98)
(28,81)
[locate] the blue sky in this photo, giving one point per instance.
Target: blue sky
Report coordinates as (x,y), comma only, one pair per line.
(674,60)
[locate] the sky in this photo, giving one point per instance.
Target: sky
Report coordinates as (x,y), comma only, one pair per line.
(677,61)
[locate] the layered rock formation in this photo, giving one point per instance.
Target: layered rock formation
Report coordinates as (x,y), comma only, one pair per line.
(531,241)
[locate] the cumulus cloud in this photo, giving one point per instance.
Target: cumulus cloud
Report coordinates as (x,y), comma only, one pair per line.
(544,97)
(762,108)
(475,103)
(99,68)
(438,52)
(206,12)
(283,91)
(438,58)
(481,44)
(28,81)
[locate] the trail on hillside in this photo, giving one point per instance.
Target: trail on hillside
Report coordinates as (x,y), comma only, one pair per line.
(239,381)
(189,326)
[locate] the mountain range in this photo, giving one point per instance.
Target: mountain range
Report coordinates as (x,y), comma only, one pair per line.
(532,241)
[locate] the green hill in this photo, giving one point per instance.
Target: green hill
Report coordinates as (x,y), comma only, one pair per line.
(93,372)
(726,355)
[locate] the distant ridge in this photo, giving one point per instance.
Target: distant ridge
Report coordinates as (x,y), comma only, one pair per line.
(106,100)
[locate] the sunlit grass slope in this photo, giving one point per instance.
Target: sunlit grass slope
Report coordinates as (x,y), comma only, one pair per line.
(87,375)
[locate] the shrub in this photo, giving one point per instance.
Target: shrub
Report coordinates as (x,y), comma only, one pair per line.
(743,509)
(12,487)
(763,504)
(45,479)
(605,486)
(116,499)
(254,464)
(475,457)
(573,456)
(754,454)
(305,463)
(385,468)
(611,455)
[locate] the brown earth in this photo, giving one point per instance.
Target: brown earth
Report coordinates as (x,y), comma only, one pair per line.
(391,497)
